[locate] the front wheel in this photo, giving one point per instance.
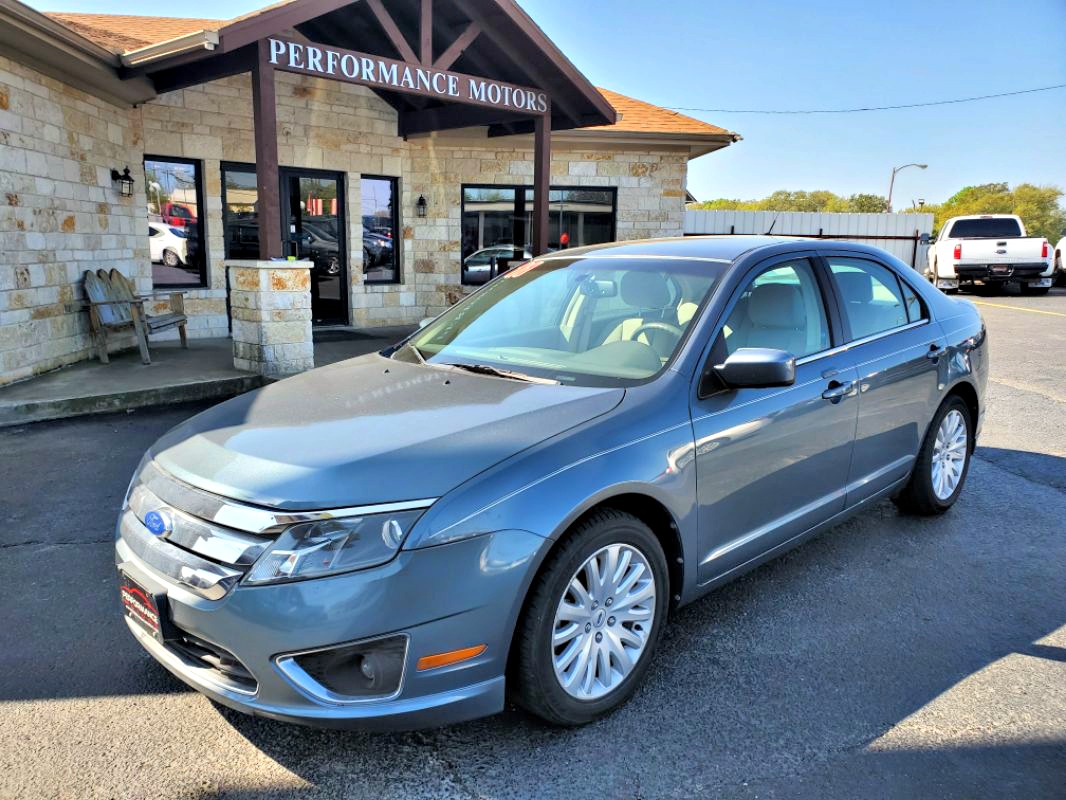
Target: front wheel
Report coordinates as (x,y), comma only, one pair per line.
(943,462)
(171,259)
(593,621)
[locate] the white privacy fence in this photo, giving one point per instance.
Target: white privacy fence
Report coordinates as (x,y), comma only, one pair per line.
(899,234)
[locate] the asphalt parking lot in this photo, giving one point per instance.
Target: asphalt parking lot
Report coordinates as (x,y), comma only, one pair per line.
(891,657)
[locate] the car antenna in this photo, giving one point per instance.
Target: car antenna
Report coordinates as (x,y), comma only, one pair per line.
(771,228)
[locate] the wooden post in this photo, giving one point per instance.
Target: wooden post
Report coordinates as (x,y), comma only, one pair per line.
(542,158)
(427,33)
(265,121)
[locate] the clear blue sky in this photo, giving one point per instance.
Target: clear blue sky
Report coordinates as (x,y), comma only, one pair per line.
(816,54)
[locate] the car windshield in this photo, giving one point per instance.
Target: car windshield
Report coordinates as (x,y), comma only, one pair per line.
(606,321)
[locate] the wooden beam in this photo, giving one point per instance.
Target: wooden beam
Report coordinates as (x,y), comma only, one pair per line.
(392,31)
(456,48)
(541,78)
(268,184)
(266,23)
(542,162)
(225,65)
(427,32)
(450,117)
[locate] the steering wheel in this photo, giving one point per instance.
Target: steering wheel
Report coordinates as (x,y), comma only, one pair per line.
(665,327)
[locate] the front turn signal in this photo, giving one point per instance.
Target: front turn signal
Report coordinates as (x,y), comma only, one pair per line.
(449,658)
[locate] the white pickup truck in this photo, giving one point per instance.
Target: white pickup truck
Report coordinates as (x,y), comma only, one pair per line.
(992,250)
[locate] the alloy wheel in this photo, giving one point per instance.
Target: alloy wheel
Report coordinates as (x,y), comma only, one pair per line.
(603,621)
(950,451)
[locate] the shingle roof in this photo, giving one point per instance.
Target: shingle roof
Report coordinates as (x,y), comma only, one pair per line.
(636,116)
(122,33)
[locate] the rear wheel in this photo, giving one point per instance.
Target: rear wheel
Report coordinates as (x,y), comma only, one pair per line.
(943,462)
(593,621)
(171,259)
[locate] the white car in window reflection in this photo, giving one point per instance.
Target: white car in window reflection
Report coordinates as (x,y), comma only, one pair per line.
(477,268)
(167,244)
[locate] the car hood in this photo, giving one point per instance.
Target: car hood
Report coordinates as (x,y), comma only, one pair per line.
(369,430)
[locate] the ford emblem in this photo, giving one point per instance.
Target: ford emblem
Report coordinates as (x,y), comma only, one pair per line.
(158,522)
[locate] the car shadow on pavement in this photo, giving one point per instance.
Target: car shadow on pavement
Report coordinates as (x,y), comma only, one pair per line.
(811,658)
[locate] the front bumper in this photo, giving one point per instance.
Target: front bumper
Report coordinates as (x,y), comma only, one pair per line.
(443,598)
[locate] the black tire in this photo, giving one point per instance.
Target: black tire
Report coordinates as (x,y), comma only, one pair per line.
(534,684)
(171,259)
(918,496)
(1034,291)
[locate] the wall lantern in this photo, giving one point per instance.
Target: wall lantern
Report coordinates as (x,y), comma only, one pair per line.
(125,181)
(420,206)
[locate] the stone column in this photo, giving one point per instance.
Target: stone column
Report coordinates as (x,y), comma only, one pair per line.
(270,303)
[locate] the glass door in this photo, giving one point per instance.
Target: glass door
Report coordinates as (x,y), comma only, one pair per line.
(315,229)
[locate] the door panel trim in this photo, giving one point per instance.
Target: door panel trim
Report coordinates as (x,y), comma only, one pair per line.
(873,337)
(877,474)
(772,525)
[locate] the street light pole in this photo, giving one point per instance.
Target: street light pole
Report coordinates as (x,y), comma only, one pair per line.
(892,182)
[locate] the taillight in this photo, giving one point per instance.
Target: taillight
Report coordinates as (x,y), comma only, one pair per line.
(958,251)
(1044,249)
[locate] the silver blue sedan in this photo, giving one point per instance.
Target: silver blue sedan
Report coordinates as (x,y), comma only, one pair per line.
(512,502)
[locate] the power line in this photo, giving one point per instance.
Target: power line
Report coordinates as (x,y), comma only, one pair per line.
(868,108)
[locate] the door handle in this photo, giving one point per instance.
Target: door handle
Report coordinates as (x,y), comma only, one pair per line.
(837,391)
(935,352)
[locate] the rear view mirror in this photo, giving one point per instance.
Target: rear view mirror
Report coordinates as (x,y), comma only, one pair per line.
(599,288)
(925,238)
(757,367)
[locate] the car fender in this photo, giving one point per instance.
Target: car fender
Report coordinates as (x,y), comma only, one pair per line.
(545,489)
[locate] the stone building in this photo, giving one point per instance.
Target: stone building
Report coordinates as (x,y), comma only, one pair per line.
(394,203)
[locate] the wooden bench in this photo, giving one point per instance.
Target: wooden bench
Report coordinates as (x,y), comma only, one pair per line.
(115,308)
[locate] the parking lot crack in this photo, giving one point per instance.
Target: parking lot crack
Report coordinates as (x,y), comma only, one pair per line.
(44,543)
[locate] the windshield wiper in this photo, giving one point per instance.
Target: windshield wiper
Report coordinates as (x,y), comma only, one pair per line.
(485,369)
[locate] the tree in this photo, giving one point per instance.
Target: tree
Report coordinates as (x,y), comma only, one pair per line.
(1038,206)
(785,200)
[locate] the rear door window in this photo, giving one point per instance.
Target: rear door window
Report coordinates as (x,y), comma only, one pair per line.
(871,294)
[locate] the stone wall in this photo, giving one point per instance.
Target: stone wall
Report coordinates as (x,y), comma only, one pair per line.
(651,203)
(60,215)
(344,128)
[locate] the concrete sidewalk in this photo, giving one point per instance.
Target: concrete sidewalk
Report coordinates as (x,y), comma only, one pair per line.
(203,372)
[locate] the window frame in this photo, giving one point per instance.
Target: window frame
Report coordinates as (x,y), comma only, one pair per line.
(830,304)
(201,218)
(519,210)
(223,167)
(850,340)
(397,231)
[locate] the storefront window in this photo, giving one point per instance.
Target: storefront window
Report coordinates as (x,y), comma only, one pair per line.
(498,225)
(381,230)
(240,211)
(174,190)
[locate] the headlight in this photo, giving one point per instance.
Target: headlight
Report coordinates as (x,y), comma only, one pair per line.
(329,547)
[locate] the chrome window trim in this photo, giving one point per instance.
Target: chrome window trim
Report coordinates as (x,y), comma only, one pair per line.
(873,337)
(252,519)
(308,686)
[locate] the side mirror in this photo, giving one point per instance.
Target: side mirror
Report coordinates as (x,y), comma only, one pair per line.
(925,238)
(756,367)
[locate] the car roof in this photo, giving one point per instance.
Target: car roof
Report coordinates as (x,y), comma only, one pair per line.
(725,248)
